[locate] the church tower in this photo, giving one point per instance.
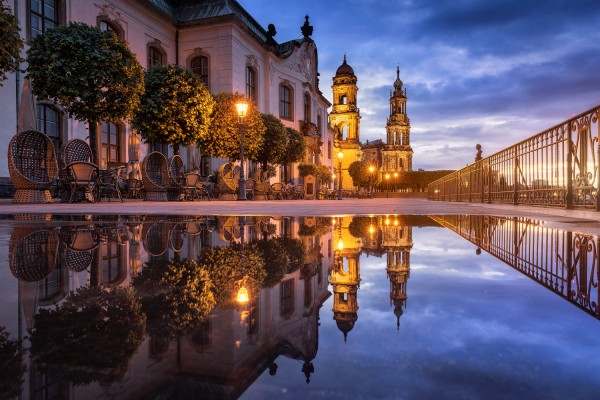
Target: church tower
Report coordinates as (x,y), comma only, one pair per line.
(345,120)
(397,154)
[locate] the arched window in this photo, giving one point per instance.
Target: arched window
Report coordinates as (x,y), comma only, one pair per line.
(285,102)
(343,99)
(306,107)
(43,16)
(48,122)
(251,83)
(106,25)
(199,66)
(156,56)
(111,144)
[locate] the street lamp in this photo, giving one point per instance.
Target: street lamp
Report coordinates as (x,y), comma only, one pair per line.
(395,180)
(371,170)
(387,185)
(340,155)
(242,110)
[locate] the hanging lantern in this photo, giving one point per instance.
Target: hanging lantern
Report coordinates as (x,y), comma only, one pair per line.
(242,295)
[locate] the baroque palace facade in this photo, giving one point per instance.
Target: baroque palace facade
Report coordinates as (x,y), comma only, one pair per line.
(218,40)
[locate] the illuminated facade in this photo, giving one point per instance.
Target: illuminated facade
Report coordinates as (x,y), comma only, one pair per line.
(222,44)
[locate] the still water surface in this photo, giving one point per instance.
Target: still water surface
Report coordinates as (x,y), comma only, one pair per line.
(382,307)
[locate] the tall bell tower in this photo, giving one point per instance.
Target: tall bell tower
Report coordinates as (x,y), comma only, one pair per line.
(397,154)
(345,120)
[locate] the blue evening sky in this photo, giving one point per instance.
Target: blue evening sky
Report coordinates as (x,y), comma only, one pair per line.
(476,71)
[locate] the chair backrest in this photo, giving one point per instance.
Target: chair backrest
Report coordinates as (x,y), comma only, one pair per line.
(299,188)
(277,186)
(192,179)
(31,154)
(225,171)
(83,172)
(74,150)
(176,170)
(250,183)
(236,172)
(154,169)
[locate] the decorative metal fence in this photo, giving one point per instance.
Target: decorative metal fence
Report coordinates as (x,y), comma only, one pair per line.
(562,261)
(557,167)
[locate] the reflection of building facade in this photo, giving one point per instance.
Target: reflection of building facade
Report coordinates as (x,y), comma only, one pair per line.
(226,352)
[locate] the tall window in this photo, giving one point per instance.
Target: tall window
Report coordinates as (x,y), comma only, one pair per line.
(48,122)
(251,83)
(286,173)
(285,102)
(110,262)
(319,124)
(111,135)
(155,56)
(306,107)
(205,166)
(199,66)
(43,17)
(286,303)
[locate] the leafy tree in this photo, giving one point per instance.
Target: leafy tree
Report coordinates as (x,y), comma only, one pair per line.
(296,148)
(175,108)
(228,265)
(323,174)
(282,256)
(418,180)
(306,169)
(359,171)
(89,337)
(12,366)
(91,73)
(176,297)
(274,145)
(11,43)
(223,138)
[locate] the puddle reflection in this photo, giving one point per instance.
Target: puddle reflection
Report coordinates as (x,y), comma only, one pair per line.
(136,307)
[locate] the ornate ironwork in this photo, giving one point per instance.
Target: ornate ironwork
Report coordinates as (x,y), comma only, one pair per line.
(557,167)
(562,261)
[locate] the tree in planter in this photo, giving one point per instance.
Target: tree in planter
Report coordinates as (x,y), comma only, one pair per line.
(11,43)
(175,108)
(89,337)
(91,73)
(223,138)
(275,142)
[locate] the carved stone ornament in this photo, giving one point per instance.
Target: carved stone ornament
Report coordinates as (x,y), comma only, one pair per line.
(108,10)
(305,62)
(252,61)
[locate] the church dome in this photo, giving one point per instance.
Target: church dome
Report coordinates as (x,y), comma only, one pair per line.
(344,69)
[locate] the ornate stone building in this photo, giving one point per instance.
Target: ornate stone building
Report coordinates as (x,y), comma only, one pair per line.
(397,154)
(345,120)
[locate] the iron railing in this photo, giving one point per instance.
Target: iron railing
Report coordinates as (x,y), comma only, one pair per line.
(557,167)
(562,261)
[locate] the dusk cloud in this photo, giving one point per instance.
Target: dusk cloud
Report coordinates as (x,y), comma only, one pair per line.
(475,71)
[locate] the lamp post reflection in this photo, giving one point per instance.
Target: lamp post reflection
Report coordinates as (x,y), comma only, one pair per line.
(242,110)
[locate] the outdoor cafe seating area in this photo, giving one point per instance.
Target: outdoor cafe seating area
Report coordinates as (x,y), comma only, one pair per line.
(40,174)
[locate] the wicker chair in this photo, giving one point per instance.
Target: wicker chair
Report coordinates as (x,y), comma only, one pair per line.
(32,253)
(278,191)
(176,178)
(32,167)
(227,182)
(72,151)
(155,176)
(262,188)
(298,192)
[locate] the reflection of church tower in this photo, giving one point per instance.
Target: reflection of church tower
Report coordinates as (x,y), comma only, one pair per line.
(397,154)
(397,241)
(345,280)
(345,119)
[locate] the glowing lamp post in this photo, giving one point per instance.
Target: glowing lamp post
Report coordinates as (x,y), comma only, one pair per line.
(340,156)
(387,185)
(395,180)
(242,111)
(242,295)
(371,170)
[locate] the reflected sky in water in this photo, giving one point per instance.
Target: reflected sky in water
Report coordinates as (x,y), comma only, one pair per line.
(472,326)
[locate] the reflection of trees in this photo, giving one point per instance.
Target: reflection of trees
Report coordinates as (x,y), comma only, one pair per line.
(90,337)
(359,226)
(322,226)
(282,256)
(11,366)
(228,265)
(176,297)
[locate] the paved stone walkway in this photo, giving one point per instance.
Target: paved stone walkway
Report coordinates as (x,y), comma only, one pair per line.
(588,221)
